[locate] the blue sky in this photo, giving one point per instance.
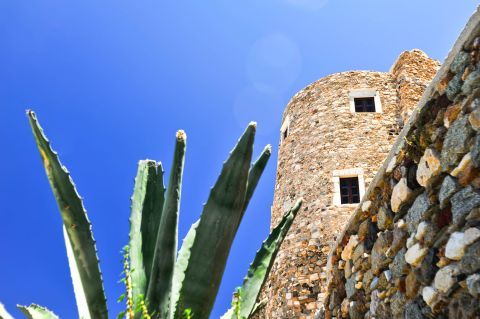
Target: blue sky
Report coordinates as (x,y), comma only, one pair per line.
(111,82)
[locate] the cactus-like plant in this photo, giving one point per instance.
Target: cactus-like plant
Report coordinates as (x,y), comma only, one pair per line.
(160,283)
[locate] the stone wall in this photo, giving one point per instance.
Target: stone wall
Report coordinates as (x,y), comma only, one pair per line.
(325,136)
(412,248)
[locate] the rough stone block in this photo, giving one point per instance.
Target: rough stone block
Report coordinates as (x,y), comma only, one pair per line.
(401,195)
(460,62)
(475,151)
(446,277)
(378,257)
(384,218)
(420,210)
(473,284)
(463,202)
(474,119)
(347,252)
(455,144)
(399,266)
(413,311)
(471,235)
(350,287)
(455,248)
(415,254)
(463,306)
(428,167)
(449,187)
(471,82)
(470,261)
(454,87)
(427,269)
(429,295)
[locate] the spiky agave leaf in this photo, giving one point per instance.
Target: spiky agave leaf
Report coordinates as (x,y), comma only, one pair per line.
(160,281)
(181,264)
(261,265)
(151,214)
(37,312)
(4,313)
(89,289)
(253,178)
(215,231)
(145,215)
(255,173)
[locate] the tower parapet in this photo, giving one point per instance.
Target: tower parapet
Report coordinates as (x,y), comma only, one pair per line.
(413,71)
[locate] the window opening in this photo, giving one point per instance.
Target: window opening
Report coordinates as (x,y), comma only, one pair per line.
(285,133)
(364,104)
(349,190)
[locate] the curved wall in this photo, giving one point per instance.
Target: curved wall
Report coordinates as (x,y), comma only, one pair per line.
(326,139)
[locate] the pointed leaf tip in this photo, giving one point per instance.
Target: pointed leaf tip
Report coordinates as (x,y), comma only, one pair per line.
(296,207)
(89,285)
(254,175)
(165,249)
(248,136)
(181,135)
(218,224)
(268,149)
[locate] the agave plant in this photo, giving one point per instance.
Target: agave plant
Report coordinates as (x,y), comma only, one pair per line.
(162,283)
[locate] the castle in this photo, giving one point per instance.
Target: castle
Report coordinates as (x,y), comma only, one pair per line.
(388,165)
(335,134)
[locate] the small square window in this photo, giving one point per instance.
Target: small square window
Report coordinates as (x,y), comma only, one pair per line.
(364,104)
(285,129)
(349,190)
(285,134)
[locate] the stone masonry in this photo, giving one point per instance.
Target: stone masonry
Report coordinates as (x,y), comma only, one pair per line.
(412,247)
(323,138)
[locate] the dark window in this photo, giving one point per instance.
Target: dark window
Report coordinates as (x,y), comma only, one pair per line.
(349,190)
(285,134)
(364,104)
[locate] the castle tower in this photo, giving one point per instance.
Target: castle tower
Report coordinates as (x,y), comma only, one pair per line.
(335,134)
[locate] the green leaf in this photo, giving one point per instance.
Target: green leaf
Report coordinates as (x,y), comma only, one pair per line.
(89,286)
(146,211)
(121,298)
(3,312)
(216,230)
(176,304)
(151,214)
(37,312)
(263,261)
(187,314)
(160,282)
(135,253)
(254,175)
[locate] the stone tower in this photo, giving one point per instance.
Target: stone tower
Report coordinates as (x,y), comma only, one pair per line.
(335,134)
